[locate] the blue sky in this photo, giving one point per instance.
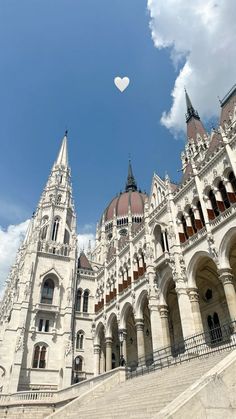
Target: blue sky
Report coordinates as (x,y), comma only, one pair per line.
(58,62)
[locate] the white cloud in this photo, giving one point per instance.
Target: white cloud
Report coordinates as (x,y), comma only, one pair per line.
(84,239)
(201,35)
(10,240)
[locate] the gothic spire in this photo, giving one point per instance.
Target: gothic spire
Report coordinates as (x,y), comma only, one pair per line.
(131,184)
(191,112)
(62,158)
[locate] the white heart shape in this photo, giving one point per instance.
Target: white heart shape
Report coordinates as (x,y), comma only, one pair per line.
(121,84)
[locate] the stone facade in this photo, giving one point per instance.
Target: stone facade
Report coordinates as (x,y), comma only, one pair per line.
(163,269)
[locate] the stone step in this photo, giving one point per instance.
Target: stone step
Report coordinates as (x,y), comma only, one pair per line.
(143,396)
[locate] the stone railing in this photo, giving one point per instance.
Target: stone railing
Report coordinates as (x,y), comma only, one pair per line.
(223,216)
(194,239)
(54,248)
(59,396)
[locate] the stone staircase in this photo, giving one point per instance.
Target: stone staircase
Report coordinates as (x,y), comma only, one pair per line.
(144,396)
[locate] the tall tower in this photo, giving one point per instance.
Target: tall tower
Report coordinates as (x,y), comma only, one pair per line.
(194,124)
(36,314)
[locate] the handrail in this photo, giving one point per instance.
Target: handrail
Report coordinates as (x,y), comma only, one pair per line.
(55,396)
(220,338)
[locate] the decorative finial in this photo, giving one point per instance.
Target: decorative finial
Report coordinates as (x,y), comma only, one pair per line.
(131,184)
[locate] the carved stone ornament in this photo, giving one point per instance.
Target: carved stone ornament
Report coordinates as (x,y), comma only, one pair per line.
(68,347)
(212,248)
(26,290)
(215,173)
(206,181)
(69,295)
(20,340)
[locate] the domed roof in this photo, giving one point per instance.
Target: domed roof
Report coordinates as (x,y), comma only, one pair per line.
(130,199)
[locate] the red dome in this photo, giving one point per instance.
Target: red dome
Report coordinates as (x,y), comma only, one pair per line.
(131,199)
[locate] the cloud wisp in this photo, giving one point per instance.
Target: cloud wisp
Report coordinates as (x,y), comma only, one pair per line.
(201,36)
(10,240)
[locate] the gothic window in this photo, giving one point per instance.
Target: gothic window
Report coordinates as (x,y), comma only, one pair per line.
(66,237)
(80,340)
(224,194)
(162,242)
(47,291)
(44,232)
(39,360)
(232,180)
(192,219)
(44,227)
(184,224)
(43,325)
(58,199)
(167,244)
(199,207)
(78,300)
(78,364)
(213,203)
(85,302)
(55,229)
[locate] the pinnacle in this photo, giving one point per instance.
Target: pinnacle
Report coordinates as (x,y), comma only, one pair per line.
(62,159)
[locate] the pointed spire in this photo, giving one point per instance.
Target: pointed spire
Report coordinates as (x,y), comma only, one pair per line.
(62,159)
(191,112)
(131,184)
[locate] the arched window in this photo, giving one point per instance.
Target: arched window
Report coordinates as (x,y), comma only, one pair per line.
(78,364)
(199,207)
(213,203)
(184,224)
(44,232)
(192,219)
(58,199)
(39,360)
(78,300)
(80,340)
(232,180)
(55,229)
(47,291)
(85,302)
(44,227)
(224,194)
(66,237)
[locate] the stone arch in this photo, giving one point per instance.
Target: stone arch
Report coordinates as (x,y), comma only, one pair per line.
(123,315)
(110,320)
(192,266)
(98,331)
(142,312)
(139,304)
(158,240)
(225,246)
(212,300)
(165,279)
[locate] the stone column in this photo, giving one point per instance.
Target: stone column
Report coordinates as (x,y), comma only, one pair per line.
(156,326)
(140,339)
(185,311)
(194,301)
(227,279)
(108,353)
(163,310)
(96,350)
(124,344)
